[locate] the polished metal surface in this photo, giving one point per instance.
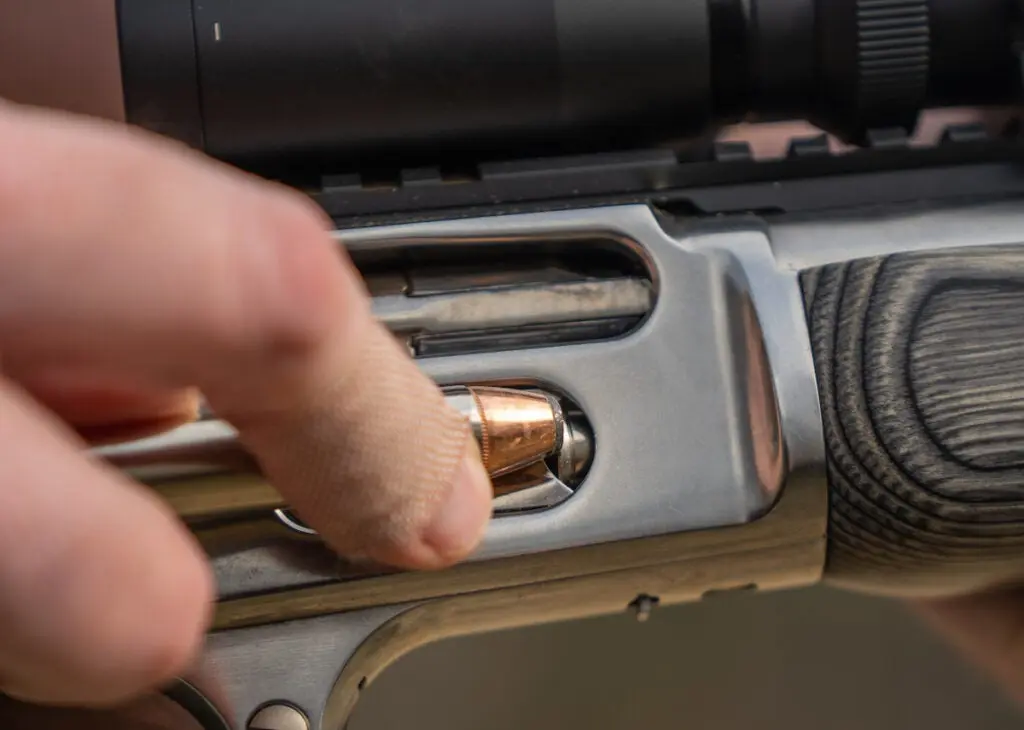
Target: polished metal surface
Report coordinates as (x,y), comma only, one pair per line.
(206,446)
(801,243)
(530,491)
(461,399)
(277,716)
(424,280)
(292,522)
(674,449)
(504,308)
(577,448)
(775,307)
(448,307)
(296,663)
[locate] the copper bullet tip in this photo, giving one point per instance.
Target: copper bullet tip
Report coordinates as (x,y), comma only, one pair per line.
(514,428)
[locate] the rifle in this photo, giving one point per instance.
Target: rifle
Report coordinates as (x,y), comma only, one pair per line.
(714,372)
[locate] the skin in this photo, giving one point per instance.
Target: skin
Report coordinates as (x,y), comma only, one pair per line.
(89,563)
(134,274)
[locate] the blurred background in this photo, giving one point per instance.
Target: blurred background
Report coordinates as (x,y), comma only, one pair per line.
(814,659)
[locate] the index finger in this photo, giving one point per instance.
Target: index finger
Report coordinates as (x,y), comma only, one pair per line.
(168,270)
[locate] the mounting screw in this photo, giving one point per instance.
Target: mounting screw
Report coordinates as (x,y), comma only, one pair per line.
(278,716)
(643,605)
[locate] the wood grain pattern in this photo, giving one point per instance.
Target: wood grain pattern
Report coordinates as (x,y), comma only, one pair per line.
(920,364)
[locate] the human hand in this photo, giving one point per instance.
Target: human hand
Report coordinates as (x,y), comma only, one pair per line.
(135,274)
(988,630)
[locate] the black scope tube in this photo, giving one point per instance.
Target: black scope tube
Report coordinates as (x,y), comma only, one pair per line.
(416,78)
(405,82)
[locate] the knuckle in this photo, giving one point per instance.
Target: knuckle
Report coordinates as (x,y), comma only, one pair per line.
(378,520)
(300,285)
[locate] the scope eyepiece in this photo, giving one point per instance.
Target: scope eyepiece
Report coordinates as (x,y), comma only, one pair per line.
(408,82)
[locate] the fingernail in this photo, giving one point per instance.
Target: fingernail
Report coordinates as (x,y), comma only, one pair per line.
(464,513)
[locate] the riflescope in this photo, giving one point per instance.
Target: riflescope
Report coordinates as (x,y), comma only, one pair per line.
(372,81)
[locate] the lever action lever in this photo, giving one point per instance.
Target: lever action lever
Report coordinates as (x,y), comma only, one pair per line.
(204,471)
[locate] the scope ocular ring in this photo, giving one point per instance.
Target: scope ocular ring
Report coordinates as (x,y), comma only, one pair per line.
(893,56)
